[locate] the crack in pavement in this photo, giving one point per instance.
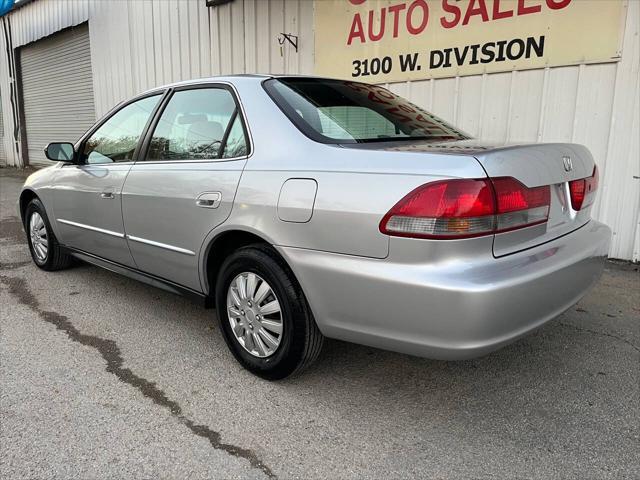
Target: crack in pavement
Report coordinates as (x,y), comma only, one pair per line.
(111,353)
(603,334)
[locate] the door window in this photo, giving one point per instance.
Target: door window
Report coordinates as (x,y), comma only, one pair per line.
(117,138)
(193,126)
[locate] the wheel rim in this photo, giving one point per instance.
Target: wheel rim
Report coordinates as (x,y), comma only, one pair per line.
(254,314)
(39,236)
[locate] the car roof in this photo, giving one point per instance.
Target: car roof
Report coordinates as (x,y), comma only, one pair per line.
(257,77)
(220,78)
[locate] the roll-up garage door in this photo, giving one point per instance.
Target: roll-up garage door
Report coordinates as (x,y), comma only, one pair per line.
(57,90)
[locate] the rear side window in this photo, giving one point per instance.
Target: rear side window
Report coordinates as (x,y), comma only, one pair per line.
(197,125)
(339,111)
(236,144)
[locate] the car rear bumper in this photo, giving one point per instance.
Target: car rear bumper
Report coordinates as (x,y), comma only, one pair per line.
(453,309)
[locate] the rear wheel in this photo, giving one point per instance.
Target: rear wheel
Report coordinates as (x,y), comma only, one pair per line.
(43,245)
(263,314)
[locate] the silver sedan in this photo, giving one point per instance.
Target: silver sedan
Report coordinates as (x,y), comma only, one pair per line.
(304,208)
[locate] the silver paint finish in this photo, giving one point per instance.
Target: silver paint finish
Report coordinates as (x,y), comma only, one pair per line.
(296,200)
(450,307)
(78,198)
(160,206)
(537,164)
(445,299)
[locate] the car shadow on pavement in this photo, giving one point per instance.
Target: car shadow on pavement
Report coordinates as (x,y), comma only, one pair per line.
(562,355)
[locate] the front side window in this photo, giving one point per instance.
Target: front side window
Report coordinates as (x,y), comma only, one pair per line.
(193,127)
(339,111)
(117,138)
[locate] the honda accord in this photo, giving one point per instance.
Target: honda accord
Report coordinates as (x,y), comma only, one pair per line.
(303,208)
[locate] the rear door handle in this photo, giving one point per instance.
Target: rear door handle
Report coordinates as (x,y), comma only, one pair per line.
(209,200)
(107,195)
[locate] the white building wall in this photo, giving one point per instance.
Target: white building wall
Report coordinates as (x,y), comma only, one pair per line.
(139,44)
(10,147)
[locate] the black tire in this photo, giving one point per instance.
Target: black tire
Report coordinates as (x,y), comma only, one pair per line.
(301,340)
(56,258)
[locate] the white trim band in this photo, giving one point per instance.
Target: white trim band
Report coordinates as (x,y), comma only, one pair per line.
(89,227)
(161,245)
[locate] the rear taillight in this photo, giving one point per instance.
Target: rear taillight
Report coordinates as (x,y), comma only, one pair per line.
(583,191)
(519,206)
(464,208)
(444,209)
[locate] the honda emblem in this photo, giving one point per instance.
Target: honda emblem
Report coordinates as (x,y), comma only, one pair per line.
(568,164)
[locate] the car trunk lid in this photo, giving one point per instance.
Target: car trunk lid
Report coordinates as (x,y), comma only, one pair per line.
(534,165)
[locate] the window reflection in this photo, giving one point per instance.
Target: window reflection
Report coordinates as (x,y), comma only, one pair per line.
(193,125)
(117,138)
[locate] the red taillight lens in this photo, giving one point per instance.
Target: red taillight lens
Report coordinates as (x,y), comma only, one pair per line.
(518,205)
(576,190)
(448,198)
(582,191)
(463,208)
(513,195)
(444,209)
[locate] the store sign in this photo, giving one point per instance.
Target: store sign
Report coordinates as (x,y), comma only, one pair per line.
(396,40)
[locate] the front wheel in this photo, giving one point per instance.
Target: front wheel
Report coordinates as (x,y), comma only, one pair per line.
(263,314)
(43,245)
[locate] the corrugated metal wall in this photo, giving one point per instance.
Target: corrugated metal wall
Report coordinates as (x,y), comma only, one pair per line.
(10,148)
(3,155)
(151,42)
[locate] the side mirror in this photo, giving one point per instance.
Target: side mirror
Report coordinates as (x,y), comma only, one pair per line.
(60,152)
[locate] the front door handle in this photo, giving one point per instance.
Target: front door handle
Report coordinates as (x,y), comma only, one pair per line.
(107,195)
(209,200)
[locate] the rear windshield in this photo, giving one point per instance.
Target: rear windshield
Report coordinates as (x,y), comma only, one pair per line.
(339,111)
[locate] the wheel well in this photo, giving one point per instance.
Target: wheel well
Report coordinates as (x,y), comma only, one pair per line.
(220,249)
(25,198)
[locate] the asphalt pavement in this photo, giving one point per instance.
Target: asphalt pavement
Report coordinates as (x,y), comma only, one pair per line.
(104,377)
